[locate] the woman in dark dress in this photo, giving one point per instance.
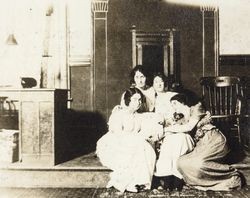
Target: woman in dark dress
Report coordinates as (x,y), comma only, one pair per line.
(203,168)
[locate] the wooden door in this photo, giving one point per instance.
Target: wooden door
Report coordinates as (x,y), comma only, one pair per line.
(80,87)
(158,50)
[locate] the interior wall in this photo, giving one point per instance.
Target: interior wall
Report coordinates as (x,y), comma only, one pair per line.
(122,14)
(151,15)
(234,27)
(234,38)
(39,28)
(235,65)
(79,45)
(26,21)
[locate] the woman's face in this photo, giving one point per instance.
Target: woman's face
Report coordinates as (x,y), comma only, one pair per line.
(135,102)
(158,84)
(140,80)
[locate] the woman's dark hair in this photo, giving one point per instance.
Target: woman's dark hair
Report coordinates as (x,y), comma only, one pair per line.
(185,99)
(162,76)
(141,69)
(129,93)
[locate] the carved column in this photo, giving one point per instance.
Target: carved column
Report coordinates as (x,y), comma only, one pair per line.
(210,44)
(134,61)
(100,59)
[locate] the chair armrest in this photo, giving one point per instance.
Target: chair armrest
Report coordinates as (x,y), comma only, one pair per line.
(225,116)
(238,108)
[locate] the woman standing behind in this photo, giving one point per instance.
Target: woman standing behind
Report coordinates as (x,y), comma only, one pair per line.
(124,150)
(139,78)
(162,103)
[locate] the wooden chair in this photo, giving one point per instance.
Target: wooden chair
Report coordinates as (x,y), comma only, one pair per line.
(223,99)
(245,90)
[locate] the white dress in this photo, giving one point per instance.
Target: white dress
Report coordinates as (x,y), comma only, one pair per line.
(174,144)
(163,105)
(150,98)
(124,150)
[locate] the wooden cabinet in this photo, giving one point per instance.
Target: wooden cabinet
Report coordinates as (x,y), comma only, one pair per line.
(41,117)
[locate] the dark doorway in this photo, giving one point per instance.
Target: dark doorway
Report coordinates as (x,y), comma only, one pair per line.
(153,58)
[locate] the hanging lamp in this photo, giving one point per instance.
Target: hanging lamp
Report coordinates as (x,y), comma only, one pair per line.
(11,40)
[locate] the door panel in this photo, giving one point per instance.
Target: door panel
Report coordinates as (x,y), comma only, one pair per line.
(80,88)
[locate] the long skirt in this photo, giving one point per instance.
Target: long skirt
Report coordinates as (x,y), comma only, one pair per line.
(131,158)
(203,168)
(174,145)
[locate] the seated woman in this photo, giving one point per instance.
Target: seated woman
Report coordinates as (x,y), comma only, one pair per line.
(139,78)
(177,142)
(203,168)
(125,148)
(162,105)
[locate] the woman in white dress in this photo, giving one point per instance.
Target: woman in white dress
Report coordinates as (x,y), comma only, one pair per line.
(125,148)
(162,103)
(176,142)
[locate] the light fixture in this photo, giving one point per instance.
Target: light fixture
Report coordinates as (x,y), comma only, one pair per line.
(11,40)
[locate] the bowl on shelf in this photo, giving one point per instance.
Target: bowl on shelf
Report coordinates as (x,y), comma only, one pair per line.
(28,82)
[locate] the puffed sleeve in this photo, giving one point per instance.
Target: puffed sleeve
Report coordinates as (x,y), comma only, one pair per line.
(122,103)
(115,120)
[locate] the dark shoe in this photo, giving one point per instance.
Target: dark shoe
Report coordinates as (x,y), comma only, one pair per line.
(168,183)
(177,183)
(155,182)
(140,188)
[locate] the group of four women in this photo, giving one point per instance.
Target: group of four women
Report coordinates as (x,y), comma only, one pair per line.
(191,148)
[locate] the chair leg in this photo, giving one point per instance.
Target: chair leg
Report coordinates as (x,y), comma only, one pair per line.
(239,129)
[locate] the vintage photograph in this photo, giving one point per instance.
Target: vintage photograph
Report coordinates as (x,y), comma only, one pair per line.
(124,98)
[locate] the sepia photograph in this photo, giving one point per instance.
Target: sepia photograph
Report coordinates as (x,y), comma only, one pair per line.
(124,98)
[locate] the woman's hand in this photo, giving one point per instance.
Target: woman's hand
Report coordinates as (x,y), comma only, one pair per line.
(205,120)
(168,122)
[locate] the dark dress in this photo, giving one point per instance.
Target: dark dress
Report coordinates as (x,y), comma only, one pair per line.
(203,168)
